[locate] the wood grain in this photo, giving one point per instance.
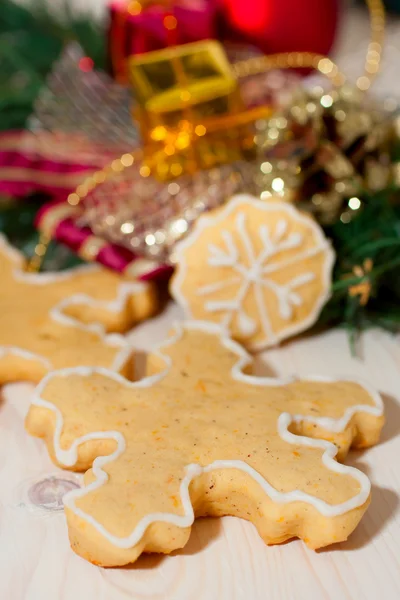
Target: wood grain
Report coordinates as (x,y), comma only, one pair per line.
(225,558)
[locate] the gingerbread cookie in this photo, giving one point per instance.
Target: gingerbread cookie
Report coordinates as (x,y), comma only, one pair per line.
(203,437)
(51,321)
(261,269)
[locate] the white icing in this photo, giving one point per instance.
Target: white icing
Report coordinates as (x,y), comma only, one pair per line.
(254,272)
(68,457)
(281,229)
(254,275)
(14,351)
(124,291)
(246,324)
(290,261)
(215,287)
(286,297)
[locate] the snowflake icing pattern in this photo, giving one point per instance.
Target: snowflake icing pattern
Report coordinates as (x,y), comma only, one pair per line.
(248,259)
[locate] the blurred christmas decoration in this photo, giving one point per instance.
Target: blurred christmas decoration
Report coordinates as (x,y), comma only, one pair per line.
(326,147)
(16,220)
(184,96)
(137,233)
(194,122)
(83,110)
(136,186)
(152,216)
(61,222)
(319,153)
(81,120)
(286,26)
(31,40)
(183,93)
(138,27)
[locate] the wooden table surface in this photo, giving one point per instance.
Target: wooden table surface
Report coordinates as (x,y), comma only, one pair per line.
(225,559)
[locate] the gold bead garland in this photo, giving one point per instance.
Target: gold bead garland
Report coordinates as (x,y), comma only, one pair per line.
(375,46)
(323,64)
(35,263)
(289,60)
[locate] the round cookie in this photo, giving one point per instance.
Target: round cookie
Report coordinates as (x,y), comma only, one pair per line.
(260,269)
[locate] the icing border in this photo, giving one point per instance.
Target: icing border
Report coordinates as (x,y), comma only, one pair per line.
(25,354)
(70,456)
(207,220)
(124,291)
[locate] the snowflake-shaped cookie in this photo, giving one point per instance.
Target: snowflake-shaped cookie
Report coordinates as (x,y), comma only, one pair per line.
(261,269)
(200,436)
(55,320)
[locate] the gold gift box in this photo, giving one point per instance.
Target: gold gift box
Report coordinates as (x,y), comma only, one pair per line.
(189,108)
(193,77)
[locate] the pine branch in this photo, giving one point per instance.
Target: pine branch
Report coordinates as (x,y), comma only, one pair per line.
(375,235)
(30,41)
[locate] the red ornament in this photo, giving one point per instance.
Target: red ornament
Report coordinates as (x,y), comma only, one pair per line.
(280,25)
